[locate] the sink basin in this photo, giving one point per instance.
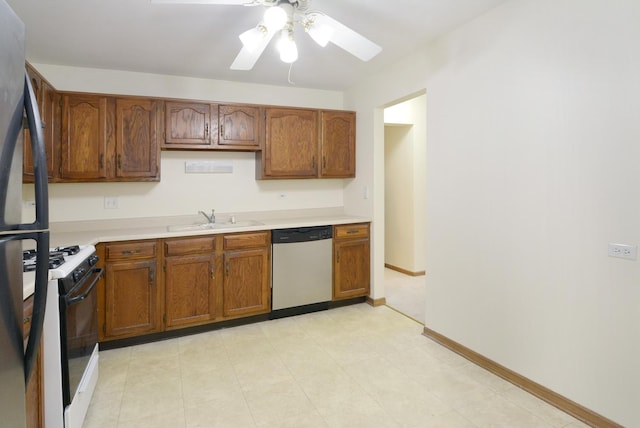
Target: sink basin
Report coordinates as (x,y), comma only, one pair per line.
(209,226)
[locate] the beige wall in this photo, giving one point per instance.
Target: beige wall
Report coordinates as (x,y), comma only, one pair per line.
(405,159)
(532,158)
(179,193)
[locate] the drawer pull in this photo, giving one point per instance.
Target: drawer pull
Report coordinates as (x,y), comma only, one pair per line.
(350,231)
(26,320)
(130,252)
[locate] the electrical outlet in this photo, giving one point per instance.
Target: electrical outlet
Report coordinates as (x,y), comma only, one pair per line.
(623,251)
(110,202)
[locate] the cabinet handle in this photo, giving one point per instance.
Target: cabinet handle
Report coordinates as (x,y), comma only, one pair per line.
(350,231)
(313,163)
(119,162)
(222,129)
(101,161)
(152,276)
(130,252)
(226,269)
(338,256)
(211,270)
(324,162)
(206,130)
(26,320)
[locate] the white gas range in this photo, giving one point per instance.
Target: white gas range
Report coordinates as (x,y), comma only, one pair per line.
(70,334)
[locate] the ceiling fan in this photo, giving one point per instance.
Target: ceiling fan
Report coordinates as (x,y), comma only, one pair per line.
(279,19)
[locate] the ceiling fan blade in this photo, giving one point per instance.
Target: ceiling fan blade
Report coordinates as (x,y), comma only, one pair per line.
(229,2)
(246,58)
(344,37)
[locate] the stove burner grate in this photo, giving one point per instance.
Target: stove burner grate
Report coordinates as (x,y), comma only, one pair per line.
(56,257)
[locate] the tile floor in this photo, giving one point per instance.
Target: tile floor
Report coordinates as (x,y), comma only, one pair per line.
(355,366)
(406,293)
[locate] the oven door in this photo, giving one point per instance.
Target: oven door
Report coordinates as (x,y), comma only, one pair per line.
(78,331)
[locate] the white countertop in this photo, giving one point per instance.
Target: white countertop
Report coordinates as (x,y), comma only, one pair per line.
(93,232)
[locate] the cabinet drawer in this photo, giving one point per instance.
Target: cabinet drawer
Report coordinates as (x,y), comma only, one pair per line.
(349,231)
(246,240)
(178,247)
(131,250)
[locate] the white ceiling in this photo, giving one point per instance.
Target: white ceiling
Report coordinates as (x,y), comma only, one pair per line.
(202,40)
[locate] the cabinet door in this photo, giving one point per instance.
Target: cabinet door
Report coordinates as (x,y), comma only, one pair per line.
(351,268)
(239,127)
(49,106)
(246,289)
(190,290)
(187,126)
(291,144)
(84,137)
(338,144)
(137,149)
(131,298)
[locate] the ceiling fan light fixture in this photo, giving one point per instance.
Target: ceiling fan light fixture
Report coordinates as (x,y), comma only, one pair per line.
(287,47)
(275,18)
(252,38)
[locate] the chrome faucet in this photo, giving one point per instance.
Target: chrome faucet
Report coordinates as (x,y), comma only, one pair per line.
(210,219)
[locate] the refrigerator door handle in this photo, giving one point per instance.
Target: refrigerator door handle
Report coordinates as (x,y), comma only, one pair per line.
(39,160)
(39,301)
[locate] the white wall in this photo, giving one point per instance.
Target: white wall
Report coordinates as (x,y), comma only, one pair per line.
(532,159)
(178,193)
(405,183)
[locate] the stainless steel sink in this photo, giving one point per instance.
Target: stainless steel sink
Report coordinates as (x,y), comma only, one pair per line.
(209,226)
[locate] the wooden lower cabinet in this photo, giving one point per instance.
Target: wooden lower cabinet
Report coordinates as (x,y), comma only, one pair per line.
(246,287)
(34,393)
(351,261)
(129,297)
(190,281)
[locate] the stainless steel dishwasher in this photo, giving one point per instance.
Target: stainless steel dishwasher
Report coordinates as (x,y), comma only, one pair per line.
(301,270)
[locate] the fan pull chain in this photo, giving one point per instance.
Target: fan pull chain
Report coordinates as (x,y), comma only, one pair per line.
(291,82)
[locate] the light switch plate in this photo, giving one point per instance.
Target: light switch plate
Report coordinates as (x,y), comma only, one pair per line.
(623,251)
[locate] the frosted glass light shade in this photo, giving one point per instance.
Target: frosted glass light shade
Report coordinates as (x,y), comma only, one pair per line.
(287,47)
(275,18)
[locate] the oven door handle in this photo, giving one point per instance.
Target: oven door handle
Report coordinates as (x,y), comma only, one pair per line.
(97,273)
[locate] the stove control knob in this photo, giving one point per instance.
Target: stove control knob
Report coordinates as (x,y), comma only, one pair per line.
(77,274)
(93,259)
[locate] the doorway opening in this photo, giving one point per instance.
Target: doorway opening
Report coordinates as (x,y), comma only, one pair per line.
(405,206)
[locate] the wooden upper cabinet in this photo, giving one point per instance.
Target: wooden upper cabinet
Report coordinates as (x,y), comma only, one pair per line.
(188,126)
(239,127)
(137,148)
(49,106)
(291,144)
(200,126)
(338,144)
(84,137)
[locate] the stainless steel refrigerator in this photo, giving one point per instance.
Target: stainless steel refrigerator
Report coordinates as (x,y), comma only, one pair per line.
(17,106)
